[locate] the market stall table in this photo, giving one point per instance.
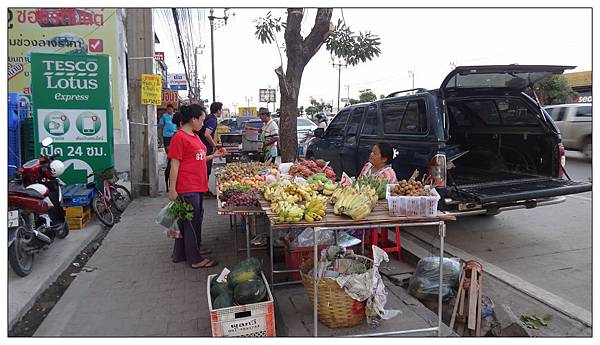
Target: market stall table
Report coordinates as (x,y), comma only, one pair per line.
(379,217)
(247,213)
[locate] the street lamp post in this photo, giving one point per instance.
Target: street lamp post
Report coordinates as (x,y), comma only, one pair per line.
(339,66)
(212,18)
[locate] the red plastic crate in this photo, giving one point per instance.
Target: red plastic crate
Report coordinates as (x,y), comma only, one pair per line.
(295,257)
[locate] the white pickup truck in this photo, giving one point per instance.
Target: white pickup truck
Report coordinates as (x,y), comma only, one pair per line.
(575,124)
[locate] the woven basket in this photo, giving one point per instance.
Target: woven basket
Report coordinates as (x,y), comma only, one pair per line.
(335,308)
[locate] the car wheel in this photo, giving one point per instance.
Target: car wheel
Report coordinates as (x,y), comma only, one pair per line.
(587,148)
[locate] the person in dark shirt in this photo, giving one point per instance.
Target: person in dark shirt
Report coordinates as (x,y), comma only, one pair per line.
(207,133)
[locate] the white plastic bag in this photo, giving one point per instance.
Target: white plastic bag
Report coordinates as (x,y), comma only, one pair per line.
(164,218)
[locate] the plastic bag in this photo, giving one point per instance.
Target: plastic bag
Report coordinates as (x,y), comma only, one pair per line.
(173,232)
(306,238)
(164,218)
(426,279)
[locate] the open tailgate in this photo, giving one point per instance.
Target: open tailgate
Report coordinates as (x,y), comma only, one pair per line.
(521,190)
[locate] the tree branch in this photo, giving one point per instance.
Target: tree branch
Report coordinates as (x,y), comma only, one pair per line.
(319,33)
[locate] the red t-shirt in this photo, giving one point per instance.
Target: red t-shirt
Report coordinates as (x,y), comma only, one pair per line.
(189,150)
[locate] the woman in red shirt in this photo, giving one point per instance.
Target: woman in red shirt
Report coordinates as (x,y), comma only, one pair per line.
(188,157)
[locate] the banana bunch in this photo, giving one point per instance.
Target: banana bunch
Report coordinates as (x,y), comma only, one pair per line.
(287,212)
(329,189)
(315,209)
(355,202)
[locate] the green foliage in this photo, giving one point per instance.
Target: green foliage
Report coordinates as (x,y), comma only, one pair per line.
(267,27)
(367,95)
(354,101)
(554,89)
(182,210)
(381,96)
(353,48)
(317,107)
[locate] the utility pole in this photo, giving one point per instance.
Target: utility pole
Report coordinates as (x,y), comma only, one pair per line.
(348,99)
(212,18)
(339,66)
(411,74)
(143,137)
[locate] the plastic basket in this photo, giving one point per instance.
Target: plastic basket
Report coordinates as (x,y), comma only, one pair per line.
(249,320)
(77,195)
(295,257)
(412,206)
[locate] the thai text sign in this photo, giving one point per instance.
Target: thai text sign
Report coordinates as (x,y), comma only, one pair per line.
(71,97)
(151,89)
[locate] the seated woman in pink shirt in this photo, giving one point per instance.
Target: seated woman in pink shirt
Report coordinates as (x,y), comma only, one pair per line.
(380,163)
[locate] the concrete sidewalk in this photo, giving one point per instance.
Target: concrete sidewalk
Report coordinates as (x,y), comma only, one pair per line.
(135,289)
(47,266)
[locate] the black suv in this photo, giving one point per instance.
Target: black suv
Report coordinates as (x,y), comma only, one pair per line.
(488,145)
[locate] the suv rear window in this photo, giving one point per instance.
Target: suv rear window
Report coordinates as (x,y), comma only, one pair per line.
(404,117)
(492,112)
(585,111)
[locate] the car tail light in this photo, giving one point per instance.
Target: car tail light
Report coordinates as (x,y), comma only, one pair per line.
(437,170)
(562,160)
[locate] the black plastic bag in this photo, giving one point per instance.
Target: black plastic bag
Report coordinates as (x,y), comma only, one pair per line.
(425,281)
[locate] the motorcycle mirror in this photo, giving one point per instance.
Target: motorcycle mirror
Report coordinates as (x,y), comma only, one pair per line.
(47,142)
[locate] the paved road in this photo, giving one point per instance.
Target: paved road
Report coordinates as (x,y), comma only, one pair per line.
(550,247)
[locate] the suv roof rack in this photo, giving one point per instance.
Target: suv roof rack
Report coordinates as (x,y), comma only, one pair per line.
(394,94)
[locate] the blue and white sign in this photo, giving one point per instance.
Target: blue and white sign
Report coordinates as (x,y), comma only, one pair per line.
(177,81)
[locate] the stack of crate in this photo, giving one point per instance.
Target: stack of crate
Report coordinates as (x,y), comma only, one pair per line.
(77,199)
(78,216)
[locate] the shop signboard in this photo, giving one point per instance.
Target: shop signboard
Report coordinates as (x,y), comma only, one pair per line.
(74,31)
(151,89)
(169,97)
(71,97)
(177,81)
(248,111)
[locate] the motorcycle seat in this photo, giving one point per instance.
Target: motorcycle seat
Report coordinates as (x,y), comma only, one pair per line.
(15,189)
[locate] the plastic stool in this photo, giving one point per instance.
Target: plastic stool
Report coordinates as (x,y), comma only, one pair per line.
(384,242)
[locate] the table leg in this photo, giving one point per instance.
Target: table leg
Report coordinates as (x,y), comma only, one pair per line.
(235,236)
(442,233)
(271,252)
(315,292)
(247,237)
(363,242)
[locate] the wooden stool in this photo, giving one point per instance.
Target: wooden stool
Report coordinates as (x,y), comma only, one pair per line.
(384,242)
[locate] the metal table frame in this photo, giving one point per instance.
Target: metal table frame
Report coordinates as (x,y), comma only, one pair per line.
(442,234)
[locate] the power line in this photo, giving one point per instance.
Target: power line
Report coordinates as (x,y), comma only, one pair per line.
(175,17)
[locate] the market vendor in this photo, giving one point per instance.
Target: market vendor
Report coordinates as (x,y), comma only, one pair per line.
(269,135)
(380,163)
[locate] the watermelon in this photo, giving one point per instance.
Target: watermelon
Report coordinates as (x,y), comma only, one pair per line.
(223,301)
(248,292)
(219,288)
(250,264)
(241,275)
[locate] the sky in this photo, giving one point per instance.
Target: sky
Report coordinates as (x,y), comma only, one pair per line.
(425,41)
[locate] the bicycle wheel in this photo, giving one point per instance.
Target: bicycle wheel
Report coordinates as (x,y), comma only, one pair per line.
(102,210)
(121,197)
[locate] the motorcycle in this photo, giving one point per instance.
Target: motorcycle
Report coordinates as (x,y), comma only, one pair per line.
(29,228)
(31,208)
(46,170)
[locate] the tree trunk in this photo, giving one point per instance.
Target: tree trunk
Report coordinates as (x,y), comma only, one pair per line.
(299,51)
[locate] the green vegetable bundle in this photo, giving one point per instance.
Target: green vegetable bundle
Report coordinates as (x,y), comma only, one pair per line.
(379,185)
(182,210)
(239,186)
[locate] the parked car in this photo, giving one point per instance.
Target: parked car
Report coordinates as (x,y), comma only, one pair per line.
(487,145)
(304,131)
(575,124)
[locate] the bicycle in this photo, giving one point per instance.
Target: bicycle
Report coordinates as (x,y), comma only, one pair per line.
(111,195)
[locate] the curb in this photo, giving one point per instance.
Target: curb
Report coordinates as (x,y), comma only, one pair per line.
(555,302)
(94,229)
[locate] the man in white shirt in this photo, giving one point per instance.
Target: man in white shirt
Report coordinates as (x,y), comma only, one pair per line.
(269,135)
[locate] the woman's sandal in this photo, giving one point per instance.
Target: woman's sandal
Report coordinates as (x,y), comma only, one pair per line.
(205,263)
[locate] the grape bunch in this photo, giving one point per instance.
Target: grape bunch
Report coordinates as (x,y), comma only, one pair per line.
(236,198)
